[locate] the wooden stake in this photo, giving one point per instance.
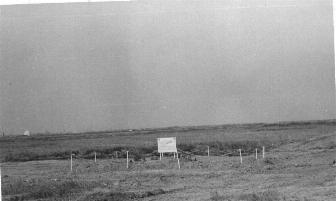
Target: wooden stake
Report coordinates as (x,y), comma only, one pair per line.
(178,160)
(241,158)
(71,162)
(263,152)
(127,159)
(256,154)
(208,151)
(95,157)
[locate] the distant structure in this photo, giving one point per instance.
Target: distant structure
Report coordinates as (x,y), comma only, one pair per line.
(26,133)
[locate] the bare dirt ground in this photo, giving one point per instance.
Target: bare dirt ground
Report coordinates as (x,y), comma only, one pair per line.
(297,170)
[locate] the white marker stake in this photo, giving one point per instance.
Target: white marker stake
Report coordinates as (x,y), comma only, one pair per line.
(178,160)
(241,158)
(127,159)
(208,151)
(95,157)
(71,162)
(263,152)
(256,154)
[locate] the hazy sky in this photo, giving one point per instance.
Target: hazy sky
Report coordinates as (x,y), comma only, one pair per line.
(102,66)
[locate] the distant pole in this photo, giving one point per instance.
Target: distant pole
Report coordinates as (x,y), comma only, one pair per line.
(127,159)
(178,160)
(256,154)
(241,158)
(95,157)
(208,151)
(263,152)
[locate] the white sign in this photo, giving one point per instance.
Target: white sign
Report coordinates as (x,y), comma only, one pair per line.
(167,145)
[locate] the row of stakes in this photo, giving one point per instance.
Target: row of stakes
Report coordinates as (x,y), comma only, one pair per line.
(175,156)
(95,159)
(161,155)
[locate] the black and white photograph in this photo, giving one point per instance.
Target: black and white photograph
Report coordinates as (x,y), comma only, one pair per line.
(167,100)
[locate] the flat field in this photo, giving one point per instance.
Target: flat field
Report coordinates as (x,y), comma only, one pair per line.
(298,164)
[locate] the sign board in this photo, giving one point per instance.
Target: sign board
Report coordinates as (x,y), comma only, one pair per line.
(167,145)
(26,133)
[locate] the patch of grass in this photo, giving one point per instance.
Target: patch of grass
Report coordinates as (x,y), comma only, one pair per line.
(331,145)
(25,190)
(138,153)
(121,196)
(216,197)
(269,161)
(269,195)
(229,148)
(105,143)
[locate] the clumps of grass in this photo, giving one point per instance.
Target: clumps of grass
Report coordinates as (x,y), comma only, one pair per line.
(23,190)
(270,161)
(269,195)
(331,145)
(115,196)
(216,197)
(137,153)
(122,196)
(33,156)
(57,190)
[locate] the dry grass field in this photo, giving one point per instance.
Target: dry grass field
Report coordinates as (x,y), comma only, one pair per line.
(298,164)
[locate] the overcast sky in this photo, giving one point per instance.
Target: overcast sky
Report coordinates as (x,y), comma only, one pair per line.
(102,66)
